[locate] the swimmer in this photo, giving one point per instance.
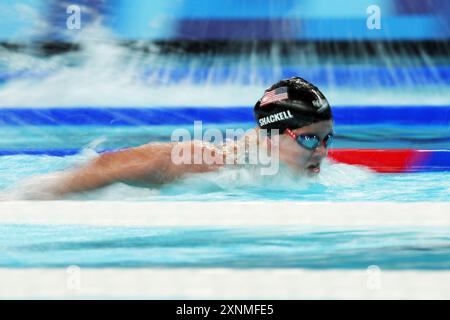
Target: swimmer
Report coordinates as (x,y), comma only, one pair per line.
(295,107)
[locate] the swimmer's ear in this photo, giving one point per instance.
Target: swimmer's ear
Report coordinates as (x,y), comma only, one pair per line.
(271,136)
(273,133)
(273,140)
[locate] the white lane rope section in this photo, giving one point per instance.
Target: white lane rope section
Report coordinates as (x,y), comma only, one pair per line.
(276,213)
(222,284)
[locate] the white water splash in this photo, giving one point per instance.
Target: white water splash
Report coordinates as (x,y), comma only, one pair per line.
(107,73)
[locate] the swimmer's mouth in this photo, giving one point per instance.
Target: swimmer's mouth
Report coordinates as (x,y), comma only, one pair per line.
(314,168)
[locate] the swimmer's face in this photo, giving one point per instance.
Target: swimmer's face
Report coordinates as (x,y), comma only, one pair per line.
(300,158)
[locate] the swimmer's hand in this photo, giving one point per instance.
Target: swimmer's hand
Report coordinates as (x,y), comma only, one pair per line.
(42,187)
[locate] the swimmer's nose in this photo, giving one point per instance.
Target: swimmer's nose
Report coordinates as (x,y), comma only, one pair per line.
(321,151)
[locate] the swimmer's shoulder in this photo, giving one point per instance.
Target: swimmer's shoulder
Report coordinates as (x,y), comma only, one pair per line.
(154,162)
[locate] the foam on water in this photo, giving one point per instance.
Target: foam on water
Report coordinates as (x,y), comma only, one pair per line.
(336,182)
(20,177)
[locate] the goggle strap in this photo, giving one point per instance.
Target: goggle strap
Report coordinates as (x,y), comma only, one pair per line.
(291,134)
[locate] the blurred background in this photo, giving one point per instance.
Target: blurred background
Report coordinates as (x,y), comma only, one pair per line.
(355,50)
(379,62)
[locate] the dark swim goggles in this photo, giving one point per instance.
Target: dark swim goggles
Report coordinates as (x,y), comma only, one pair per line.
(311,141)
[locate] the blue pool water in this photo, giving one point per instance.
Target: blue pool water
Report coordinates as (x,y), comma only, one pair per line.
(36,141)
(336,182)
(58,111)
(286,247)
(18,138)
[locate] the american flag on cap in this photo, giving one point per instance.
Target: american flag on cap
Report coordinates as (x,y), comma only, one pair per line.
(277,94)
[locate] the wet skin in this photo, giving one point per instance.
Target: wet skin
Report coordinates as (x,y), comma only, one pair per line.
(151,165)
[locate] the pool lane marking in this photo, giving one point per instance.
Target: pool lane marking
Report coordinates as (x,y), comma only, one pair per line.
(225,213)
(394,160)
(426,115)
(218,283)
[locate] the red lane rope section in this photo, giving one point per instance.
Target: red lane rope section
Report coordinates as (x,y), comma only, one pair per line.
(381,160)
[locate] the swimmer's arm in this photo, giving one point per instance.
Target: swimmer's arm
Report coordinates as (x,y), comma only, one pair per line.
(134,164)
(151,163)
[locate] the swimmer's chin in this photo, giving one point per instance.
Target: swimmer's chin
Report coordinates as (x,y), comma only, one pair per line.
(309,171)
